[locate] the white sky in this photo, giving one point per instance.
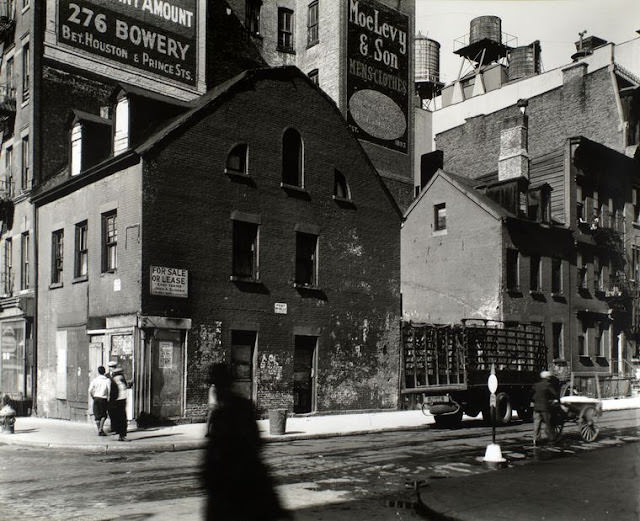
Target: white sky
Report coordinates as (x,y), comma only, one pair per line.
(556,23)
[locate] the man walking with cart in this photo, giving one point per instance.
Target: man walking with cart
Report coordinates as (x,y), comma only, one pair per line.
(544,398)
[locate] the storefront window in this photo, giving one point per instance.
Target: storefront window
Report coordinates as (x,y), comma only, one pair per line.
(12,361)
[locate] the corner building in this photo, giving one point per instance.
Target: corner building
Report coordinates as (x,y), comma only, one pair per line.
(270,243)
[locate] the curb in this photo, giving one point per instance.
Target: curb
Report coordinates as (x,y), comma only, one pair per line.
(113,448)
(431,513)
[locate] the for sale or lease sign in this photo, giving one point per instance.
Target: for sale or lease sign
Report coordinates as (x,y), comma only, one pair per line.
(169,282)
(156,36)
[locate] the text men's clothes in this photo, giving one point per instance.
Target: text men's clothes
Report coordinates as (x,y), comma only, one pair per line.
(100,387)
(544,394)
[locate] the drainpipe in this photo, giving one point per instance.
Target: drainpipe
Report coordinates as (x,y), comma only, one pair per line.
(621,343)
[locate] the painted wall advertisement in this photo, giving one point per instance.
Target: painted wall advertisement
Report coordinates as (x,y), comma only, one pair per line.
(378,73)
(169,282)
(155,36)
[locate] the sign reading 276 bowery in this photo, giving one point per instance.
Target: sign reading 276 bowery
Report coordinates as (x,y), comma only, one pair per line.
(378,73)
(156,36)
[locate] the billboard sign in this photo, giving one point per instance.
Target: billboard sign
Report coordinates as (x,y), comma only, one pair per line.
(378,73)
(155,36)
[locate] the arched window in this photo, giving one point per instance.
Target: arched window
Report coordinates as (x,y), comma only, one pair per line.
(292,158)
(340,186)
(237,160)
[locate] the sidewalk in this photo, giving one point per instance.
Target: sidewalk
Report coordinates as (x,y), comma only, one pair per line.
(79,436)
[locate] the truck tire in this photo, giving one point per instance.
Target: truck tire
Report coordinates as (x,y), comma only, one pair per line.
(503,410)
(448,421)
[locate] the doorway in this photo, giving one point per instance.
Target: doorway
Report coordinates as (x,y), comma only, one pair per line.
(167,370)
(304,373)
(243,345)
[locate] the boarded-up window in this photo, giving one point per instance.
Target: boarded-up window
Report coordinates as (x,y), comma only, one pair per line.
(61,365)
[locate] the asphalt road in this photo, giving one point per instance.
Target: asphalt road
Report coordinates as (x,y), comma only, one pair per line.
(370,477)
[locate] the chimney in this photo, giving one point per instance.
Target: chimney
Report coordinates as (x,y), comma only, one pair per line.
(513,162)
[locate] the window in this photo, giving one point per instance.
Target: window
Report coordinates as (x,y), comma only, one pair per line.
(312,24)
(285,29)
(513,270)
(109,242)
(306,259)
(245,250)
(534,274)
(81,267)
(252,16)
(340,186)
(636,205)
(237,160)
(76,149)
(439,217)
(25,173)
(121,133)
(314,76)
(292,158)
(581,210)
(558,345)
(9,171)
(582,272)
(583,340)
(635,263)
(57,252)
(11,88)
(556,276)
(597,274)
(26,59)
(25,242)
(8,267)
(602,341)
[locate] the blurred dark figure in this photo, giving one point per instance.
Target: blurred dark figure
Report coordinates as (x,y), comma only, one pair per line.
(237,482)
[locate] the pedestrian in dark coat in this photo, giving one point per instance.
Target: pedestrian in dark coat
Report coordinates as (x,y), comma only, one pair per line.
(238,484)
(118,402)
(544,396)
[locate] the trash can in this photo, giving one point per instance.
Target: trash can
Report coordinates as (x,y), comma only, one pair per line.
(277,421)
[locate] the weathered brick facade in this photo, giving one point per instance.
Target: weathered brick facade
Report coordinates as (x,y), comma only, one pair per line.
(584,106)
(176,207)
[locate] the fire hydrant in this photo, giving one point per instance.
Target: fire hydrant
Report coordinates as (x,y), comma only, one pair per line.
(7,416)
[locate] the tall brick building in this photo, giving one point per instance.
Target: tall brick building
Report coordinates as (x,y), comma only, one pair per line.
(269,242)
(361,53)
(581,142)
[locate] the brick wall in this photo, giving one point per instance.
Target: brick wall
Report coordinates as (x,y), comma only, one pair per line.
(188,201)
(585,105)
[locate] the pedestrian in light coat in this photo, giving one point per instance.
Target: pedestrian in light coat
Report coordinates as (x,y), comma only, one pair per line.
(99,390)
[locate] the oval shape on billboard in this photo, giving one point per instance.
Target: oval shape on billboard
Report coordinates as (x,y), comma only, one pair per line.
(377,114)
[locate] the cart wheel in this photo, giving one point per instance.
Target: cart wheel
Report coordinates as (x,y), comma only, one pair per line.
(556,430)
(588,428)
(425,409)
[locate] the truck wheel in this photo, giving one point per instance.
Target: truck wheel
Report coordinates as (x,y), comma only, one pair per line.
(448,421)
(503,409)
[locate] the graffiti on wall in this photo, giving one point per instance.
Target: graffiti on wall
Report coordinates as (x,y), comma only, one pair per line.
(270,369)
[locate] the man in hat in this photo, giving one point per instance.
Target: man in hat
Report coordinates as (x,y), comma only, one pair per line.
(544,395)
(99,389)
(118,401)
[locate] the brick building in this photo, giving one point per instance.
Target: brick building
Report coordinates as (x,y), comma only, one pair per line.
(269,242)
(323,39)
(578,146)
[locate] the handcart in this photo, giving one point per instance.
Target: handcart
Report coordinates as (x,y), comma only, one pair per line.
(576,407)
